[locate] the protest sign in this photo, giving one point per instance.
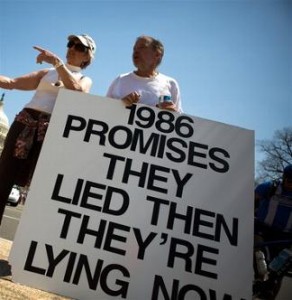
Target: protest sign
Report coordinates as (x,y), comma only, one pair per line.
(138,203)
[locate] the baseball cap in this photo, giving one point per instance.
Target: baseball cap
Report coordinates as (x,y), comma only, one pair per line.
(86,40)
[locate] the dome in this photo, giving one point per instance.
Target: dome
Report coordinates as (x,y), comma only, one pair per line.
(4,123)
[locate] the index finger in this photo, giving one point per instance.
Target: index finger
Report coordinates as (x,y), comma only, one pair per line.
(39,48)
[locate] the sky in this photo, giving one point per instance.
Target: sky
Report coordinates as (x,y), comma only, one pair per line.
(232,59)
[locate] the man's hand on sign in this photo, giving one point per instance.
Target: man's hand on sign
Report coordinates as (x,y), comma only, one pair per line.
(168,105)
(131,98)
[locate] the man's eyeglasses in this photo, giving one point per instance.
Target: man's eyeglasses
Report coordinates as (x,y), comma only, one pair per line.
(78,47)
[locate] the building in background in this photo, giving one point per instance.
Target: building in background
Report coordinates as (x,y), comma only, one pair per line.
(4,123)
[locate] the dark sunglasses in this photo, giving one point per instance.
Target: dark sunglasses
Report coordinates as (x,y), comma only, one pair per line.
(78,47)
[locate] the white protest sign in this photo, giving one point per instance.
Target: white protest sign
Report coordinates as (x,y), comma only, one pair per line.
(138,203)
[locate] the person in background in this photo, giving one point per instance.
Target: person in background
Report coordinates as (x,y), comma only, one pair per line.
(146,84)
(273,206)
(26,134)
(273,222)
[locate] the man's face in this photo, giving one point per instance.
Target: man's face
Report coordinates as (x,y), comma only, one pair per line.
(144,57)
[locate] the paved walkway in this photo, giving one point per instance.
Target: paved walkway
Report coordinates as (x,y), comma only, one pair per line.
(14,291)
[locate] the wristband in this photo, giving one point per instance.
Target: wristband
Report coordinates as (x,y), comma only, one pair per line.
(58,64)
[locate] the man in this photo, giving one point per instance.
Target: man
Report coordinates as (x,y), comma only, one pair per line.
(146,84)
(273,222)
(274,204)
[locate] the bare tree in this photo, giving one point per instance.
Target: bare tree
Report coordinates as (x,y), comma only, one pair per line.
(278,154)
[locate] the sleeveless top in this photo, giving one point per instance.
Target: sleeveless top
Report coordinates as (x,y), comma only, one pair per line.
(46,93)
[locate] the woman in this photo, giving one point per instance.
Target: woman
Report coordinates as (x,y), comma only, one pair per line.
(25,137)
